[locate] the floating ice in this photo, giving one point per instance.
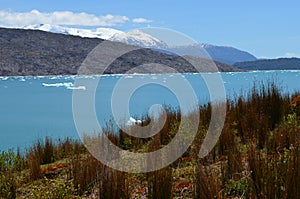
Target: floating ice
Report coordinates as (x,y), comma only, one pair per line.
(68,85)
(4,78)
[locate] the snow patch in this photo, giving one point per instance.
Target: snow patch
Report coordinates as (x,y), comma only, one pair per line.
(135,37)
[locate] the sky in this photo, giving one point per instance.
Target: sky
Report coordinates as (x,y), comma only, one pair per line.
(267,28)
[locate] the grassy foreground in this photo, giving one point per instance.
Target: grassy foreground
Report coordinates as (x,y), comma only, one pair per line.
(257,156)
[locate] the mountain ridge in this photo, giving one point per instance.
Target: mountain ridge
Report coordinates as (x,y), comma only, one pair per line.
(225,54)
(134,37)
(33,52)
(270,64)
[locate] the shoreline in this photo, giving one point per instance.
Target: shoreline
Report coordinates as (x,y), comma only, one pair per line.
(141,74)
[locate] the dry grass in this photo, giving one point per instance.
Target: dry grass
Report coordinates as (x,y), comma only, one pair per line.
(257,156)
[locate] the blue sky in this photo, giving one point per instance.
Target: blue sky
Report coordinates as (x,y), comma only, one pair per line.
(264,28)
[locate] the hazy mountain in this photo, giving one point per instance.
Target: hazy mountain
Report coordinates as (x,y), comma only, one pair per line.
(271,64)
(223,54)
(34,52)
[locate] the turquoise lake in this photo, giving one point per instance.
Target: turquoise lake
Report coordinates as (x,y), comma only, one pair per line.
(34,107)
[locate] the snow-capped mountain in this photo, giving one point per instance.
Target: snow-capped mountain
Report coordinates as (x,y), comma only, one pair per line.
(139,38)
(223,54)
(135,37)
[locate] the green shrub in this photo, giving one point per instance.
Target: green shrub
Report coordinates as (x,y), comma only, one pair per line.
(237,188)
(7,186)
(53,189)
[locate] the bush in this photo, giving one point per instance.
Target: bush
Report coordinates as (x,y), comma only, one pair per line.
(7,186)
(53,189)
(238,188)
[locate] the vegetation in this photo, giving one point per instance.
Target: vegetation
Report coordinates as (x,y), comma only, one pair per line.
(257,156)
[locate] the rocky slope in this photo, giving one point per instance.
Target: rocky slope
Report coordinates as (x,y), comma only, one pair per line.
(34,52)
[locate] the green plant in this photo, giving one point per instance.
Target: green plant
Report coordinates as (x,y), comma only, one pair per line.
(7,186)
(127,144)
(52,189)
(238,188)
(11,161)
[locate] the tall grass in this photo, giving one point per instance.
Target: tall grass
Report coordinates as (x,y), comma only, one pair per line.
(160,181)
(48,151)
(84,172)
(258,149)
(11,163)
(257,155)
(207,184)
(112,183)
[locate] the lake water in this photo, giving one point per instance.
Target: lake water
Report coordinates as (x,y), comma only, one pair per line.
(35,107)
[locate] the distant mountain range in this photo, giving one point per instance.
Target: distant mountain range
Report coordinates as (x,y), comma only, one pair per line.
(35,52)
(270,64)
(225,54)
(228,55)
(39,50)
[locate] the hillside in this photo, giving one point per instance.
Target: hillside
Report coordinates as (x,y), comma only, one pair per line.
(270,64)
(142,38)
(34,52)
